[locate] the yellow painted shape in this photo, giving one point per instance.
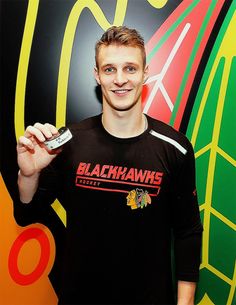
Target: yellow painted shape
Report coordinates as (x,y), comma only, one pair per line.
(206,300)
(67,46)
(61,212)
(212,161)
(158,3)
(232,288)
(223,219)
(219,151)
(228,52)
(228,47)
(65,59)
(219,274)
(226,156)
(40,292)
(23,67)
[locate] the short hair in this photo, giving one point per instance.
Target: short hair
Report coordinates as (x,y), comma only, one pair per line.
(121,36)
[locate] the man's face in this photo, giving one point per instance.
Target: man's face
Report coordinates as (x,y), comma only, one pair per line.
(121,75)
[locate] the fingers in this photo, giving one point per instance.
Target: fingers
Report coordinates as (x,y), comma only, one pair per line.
(36,133)
(24,142)
(47,129)
(41,132)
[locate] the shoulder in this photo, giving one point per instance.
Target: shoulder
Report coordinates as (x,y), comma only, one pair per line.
(81,132)
(169,136)
(85,125)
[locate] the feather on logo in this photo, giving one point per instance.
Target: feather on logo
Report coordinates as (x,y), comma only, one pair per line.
(138,198)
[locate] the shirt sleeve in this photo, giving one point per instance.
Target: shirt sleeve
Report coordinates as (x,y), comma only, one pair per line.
(187,226)
(40,206)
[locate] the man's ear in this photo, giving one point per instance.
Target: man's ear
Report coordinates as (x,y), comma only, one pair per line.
(146,72)
(96,75)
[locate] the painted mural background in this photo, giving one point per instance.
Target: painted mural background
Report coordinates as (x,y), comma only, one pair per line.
(47,60)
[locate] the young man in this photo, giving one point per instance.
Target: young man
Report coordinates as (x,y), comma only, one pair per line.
(127,183)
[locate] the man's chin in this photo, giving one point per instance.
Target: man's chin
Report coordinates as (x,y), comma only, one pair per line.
(123,107)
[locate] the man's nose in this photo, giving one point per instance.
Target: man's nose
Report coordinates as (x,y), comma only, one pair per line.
(120,78)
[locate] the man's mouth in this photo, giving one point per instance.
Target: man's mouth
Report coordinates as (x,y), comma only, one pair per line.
(121,91)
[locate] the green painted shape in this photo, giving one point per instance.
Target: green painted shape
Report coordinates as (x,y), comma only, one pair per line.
(206,127)
(223,250)
(224,194)
(208,69)
(227,140)
(234,298)
(171,29)
(191,60)
(216,289)
(202,163)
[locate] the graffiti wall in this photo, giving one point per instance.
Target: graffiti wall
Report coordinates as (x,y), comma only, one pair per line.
(47,60)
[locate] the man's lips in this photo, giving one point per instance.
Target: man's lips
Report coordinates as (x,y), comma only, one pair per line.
(121,91)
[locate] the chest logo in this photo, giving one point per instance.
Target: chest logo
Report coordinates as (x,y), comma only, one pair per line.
(138,199)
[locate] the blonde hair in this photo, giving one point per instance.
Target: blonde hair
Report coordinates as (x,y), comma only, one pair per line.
(121,36)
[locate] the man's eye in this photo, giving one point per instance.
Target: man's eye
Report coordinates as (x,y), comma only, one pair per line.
(131,69)
(109,70)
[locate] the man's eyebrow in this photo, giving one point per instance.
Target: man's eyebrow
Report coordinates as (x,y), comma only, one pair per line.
(106,65)
(125,64)
(131,63)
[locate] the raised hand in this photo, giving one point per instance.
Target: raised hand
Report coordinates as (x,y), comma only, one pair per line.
(32,154)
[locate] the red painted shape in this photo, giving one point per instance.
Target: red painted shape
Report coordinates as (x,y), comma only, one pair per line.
(41,237)
(173,77)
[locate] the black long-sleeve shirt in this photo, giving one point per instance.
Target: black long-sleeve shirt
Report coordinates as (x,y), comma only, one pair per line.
(126,200)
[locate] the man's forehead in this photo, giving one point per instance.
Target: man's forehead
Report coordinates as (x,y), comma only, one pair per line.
(119,54)
(116,48)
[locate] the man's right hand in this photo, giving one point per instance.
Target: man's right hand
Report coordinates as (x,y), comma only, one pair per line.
(32,154)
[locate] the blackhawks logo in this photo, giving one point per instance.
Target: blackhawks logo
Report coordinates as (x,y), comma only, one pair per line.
(138,199)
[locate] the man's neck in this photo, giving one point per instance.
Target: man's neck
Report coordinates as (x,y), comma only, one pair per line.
(124,124)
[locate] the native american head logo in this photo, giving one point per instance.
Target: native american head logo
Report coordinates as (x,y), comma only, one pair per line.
(138,199)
